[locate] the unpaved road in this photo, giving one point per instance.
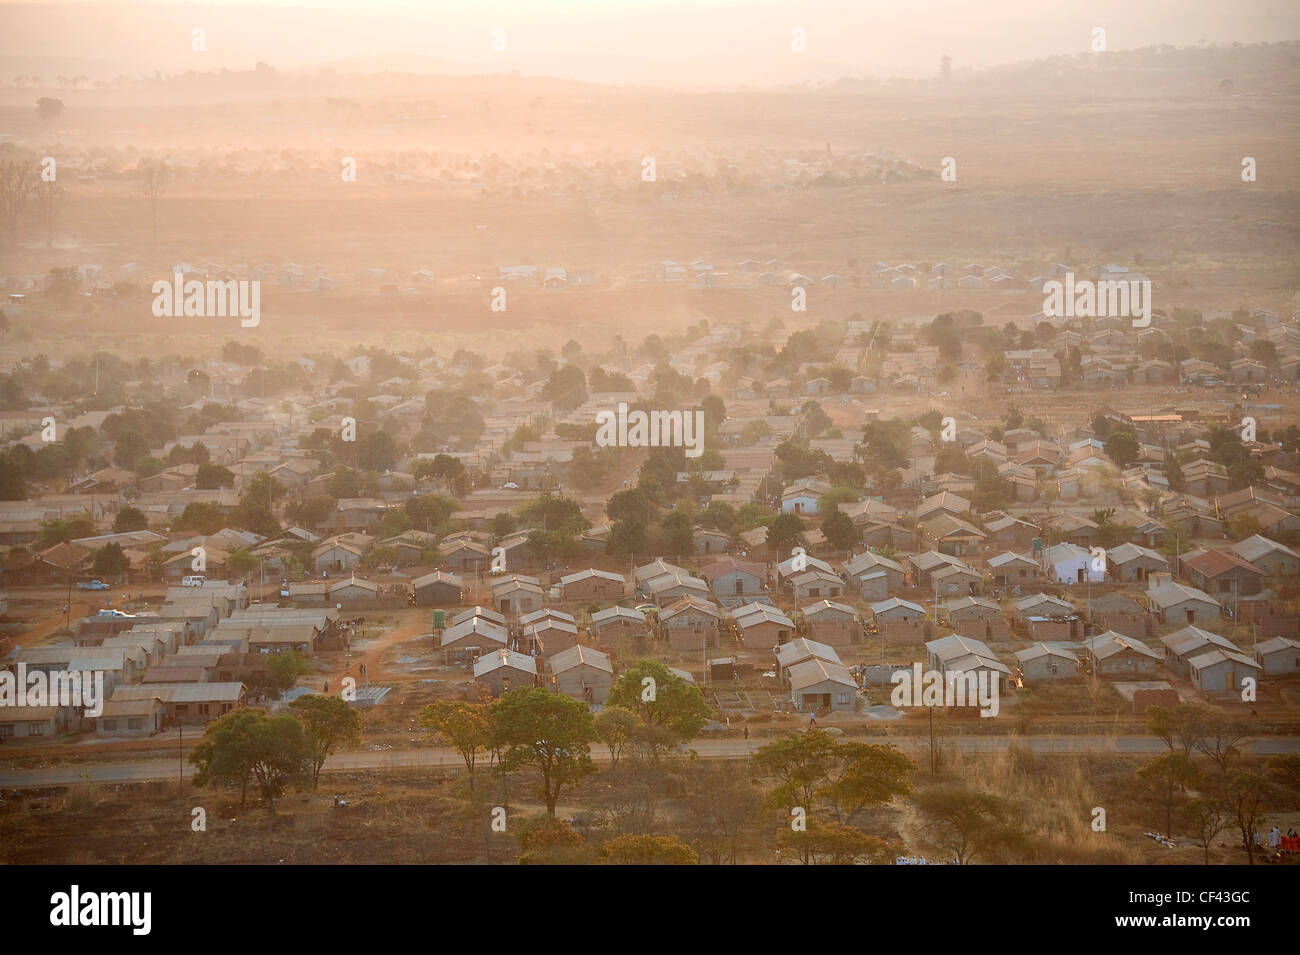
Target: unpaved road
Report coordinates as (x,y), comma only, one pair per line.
(435,757)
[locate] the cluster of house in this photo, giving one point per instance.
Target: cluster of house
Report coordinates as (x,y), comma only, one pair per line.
(730,611)
(188,661)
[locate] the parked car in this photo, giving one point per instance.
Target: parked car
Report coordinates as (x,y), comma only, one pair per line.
(91,585)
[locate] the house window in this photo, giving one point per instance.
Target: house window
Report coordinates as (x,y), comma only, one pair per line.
(740,586)
(108,724)
(843,699)
(6,729)
(135,723)
(35,729)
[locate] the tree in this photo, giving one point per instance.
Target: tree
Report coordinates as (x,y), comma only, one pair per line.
(616,727)
(1167,777)
(839,530)
(1241,526)
(967,821)
(1246,797)
(547,731)
(284,668)
(18,179)
(801,763)
(1214,735)
(1204,819)
(833,843)
(155,174)
(632,504)
(129,519)
(566,388)
(720,515)
(720,810)
(464,725)
(330,722)
(679,537)
(129,448)
(648,850)
(1285,772)
(552,842)
(1122,448)
(48,108)
(311,511)
(49,203)
(1171,726)
(246,745)
(627,537)
(428,511)
(204,517)
(111,561)
(668,701)
(784,533)
(241,563)
(870,775)
(210,477)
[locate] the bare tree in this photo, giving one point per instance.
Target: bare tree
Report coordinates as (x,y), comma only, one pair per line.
(18,179)
(1205,819)
(49,203)
(155,174)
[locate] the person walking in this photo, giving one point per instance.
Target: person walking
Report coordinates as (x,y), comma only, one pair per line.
(746,731)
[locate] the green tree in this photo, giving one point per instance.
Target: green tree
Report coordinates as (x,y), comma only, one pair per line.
(627,537)
(968,822)
(616,727)
(330,723)
(546,731)
(13,487)
(566,388)
(284,668)
(129,448)
(311,511)
(839,530)
(203,517)
(213,476)
(802,764)
(869,775)
(1122,448)
(668,702)
(129,519)
(241,563)
(464,725)
(246,745)
(111,561)
(428,511)
(784,533)
(632,504)
(678,535)
(720,515)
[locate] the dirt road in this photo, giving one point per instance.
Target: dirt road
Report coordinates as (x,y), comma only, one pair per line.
(363,760)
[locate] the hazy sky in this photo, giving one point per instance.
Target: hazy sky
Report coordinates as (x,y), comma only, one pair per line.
(694,42)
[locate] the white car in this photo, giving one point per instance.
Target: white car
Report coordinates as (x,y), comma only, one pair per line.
(512,486)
